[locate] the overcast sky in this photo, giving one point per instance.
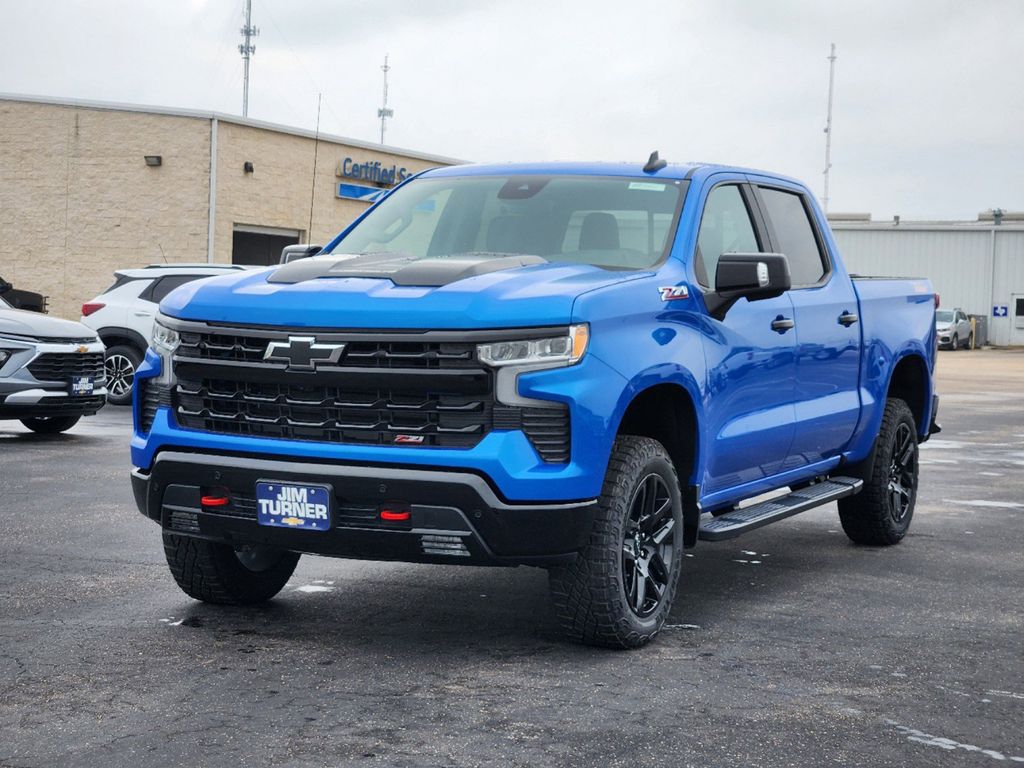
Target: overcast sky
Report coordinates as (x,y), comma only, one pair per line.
(929,105)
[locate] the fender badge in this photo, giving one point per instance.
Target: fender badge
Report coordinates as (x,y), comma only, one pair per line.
(674,293)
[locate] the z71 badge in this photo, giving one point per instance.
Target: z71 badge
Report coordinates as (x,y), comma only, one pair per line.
(674,293)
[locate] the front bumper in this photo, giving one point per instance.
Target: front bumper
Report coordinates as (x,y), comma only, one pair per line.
(456,517)
(24,395)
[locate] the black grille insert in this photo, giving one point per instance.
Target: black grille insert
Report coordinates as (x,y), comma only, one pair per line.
(62,366)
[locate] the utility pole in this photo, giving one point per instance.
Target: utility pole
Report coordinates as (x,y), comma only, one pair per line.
(384,113)
(247,49)
(828,121)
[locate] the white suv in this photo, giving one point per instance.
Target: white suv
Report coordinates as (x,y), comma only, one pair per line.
(123,316)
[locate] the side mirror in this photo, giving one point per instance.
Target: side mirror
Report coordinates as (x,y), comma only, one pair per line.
(295,252)
(750,276)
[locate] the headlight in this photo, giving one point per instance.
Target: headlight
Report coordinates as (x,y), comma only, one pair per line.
(554,351)
(165,339)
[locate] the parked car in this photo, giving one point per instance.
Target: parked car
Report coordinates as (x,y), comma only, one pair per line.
(585,367)
(954,329)
(123,316)
(51,370)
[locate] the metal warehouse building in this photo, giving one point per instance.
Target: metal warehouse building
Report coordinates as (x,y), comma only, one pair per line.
(90,187)
(975,265)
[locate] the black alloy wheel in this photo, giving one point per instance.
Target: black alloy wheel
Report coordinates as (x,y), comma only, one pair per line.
(648,548)
(902,472)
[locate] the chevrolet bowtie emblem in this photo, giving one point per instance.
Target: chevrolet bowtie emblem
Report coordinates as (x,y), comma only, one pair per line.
(302,353)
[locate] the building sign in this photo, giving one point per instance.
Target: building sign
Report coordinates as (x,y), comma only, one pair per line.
(372,170)
(1000,310)
(359,192)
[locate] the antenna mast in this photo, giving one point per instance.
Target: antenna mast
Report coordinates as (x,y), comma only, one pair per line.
(384,113)
(247,49)
(828,121)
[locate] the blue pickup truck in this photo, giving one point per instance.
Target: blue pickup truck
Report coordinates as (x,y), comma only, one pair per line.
(582,367)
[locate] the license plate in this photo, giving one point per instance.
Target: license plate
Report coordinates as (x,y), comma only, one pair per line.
(288,505)
(82,385)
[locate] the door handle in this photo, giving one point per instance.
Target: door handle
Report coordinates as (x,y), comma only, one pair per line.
(848,318)
(143,314)
(782,324)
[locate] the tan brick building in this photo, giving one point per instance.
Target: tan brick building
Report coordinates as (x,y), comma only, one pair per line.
(87,188)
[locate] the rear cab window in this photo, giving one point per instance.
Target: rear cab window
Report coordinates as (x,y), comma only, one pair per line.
(795,236)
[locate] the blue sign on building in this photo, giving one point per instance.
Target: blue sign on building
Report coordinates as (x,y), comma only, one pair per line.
(1000,310)
(360,192)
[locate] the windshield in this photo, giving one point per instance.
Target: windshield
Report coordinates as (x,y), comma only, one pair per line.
(620,223)
(944,316)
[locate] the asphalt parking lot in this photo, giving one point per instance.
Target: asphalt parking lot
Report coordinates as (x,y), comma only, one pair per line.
(789,646)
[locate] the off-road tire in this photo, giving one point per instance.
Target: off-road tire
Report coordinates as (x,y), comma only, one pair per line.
(869,518)
(124,354)
(589,595)
(212,572)
(50,425)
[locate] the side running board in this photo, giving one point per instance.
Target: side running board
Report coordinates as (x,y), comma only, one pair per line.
(731,524)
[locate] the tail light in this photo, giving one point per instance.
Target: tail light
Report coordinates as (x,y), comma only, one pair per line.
(91,306)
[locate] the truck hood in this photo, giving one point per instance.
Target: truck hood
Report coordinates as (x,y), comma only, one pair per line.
(317,293)
(21,322)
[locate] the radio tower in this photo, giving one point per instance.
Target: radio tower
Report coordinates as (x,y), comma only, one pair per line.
(828,122)
(247,49)
(384,112)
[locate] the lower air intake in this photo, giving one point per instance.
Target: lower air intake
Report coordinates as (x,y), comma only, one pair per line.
(448,546)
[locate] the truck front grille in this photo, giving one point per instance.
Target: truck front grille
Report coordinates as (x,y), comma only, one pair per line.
(334,414)
(63,366)
(410,389)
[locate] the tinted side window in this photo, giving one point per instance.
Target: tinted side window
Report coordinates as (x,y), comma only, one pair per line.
(795,235)
(167,284)
(725,227)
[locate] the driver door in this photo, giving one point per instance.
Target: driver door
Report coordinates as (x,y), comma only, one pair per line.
(750,354)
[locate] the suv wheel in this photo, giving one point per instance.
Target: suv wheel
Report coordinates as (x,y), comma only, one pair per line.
(620,588)
(50,425)
(121,363)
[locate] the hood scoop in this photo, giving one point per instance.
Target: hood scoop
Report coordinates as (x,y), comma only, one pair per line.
(401,269)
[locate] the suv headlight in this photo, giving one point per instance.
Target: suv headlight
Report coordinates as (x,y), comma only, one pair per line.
(553,352)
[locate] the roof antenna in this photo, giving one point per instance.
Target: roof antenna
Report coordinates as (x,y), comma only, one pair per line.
(654,163)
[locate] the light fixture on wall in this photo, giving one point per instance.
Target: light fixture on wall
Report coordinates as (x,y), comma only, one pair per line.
(154,160)
(248,167)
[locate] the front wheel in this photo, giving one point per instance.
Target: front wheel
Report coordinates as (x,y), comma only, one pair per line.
(216,573)
(955,345)
(880,514)
(620,588)
(50,425)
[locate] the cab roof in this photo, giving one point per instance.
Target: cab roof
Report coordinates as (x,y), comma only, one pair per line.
(634,169)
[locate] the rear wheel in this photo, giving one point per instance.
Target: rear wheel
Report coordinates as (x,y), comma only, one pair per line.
(50,425)
(121,364)
(970,341)
(216,573)
(620,588)
(880,514)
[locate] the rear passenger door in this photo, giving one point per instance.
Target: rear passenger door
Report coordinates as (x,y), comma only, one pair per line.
(827,328)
